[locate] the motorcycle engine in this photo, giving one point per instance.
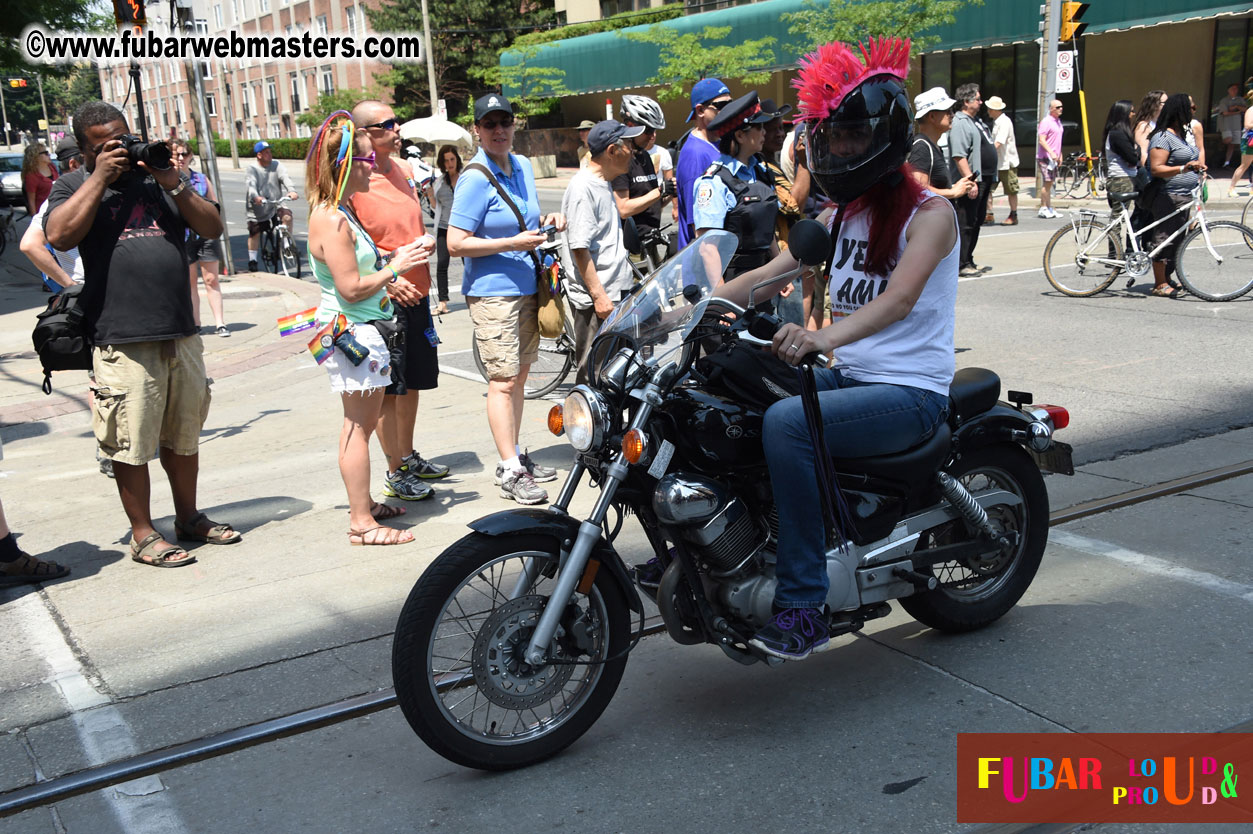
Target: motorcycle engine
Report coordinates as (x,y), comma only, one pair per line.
(718,526)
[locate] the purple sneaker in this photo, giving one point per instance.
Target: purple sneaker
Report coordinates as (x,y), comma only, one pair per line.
(793,634)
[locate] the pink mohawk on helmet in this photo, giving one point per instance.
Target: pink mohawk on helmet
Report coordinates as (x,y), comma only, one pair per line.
(833,70)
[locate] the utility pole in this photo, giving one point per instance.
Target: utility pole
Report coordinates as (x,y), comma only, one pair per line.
(230,111)
(430,57)
(39,79)
(1051,27)
(4,114)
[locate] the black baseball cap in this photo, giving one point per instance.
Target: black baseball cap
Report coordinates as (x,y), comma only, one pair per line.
(490,103)
(67,149)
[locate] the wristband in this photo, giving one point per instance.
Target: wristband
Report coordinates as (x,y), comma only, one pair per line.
(395,274)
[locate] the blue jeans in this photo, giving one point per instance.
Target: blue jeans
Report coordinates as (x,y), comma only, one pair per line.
(860,419)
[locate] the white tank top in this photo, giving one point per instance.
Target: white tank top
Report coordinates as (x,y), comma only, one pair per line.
(915,351)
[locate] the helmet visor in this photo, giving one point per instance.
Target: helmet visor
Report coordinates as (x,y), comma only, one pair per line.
(838,145)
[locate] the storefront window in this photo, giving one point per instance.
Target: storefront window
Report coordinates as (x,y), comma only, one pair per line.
(1231,62)
(936,72)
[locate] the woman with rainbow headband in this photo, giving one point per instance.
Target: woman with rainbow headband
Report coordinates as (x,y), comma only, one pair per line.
(353,276)
(893,294)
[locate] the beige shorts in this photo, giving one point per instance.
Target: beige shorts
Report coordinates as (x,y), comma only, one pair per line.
(1009,180)
(506,330)
(149,395)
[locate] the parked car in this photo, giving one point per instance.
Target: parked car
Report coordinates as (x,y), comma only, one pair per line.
(11,179)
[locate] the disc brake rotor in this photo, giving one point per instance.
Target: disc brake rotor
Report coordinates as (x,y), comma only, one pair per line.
(502,674)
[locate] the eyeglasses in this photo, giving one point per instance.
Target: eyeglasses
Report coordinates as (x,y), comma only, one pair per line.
(369,159)
(182,154)
(490,124)
(386,124)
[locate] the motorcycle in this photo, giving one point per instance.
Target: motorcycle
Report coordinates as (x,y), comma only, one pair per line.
(514,640)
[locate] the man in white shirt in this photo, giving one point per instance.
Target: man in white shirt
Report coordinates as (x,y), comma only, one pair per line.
(1006,155)
(601,274)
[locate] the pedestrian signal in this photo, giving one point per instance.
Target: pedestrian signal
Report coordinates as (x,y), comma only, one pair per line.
(1071,27)
(129,12)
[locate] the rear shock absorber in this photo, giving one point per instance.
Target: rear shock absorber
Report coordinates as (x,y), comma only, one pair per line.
(969,508)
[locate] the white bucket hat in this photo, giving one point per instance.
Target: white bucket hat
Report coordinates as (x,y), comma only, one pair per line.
(933,99)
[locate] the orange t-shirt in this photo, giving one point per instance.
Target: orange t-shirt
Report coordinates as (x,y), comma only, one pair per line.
(392,215)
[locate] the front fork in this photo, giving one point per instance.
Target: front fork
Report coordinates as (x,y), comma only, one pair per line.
(589,534)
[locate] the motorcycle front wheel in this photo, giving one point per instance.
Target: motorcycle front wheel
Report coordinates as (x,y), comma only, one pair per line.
(971,596)
(457,662)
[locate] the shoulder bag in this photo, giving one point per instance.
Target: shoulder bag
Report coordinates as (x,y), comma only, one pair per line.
(551,316)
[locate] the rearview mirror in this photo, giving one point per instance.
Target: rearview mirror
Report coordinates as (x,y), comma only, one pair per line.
(631,237)
(809,242)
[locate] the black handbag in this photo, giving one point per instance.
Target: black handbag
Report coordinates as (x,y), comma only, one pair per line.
(61,336)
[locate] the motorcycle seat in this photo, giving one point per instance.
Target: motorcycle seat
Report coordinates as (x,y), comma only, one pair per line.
(973,391)
(908,466)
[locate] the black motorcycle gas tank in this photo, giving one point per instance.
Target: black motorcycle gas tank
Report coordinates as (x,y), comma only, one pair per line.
(713,433)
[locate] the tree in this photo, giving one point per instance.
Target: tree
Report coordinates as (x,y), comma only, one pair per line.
(687,57)
(466,39)
(533,90)
(851,20)
(67,15)
(327,104)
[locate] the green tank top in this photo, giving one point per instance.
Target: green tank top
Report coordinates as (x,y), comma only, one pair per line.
(377,306)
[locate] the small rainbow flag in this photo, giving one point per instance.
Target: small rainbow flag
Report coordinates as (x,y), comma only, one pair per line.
(322,345)
(296,322)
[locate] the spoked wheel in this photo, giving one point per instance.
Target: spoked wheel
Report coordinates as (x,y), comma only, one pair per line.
(1215,261)
(457,659)
(556,359)
(269,253)
(288,254)
(975,594)
(1078,262)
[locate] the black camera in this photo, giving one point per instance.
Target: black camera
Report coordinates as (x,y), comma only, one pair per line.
(156,155)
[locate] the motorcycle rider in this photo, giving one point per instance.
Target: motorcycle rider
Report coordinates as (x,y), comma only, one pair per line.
(893,279)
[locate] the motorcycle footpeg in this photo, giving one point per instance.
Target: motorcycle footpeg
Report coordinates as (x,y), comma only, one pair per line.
(921,581)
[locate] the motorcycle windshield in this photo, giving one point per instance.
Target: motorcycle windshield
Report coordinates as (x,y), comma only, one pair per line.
(659,313)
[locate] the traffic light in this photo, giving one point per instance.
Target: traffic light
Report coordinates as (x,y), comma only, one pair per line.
(129,12)
(1071,27)
(17,82)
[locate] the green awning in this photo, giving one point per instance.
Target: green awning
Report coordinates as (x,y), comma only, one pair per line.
(607,61)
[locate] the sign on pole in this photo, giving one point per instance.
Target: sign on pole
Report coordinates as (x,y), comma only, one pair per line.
(1065,79)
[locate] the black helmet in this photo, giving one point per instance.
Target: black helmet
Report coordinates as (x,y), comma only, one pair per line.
(865,139)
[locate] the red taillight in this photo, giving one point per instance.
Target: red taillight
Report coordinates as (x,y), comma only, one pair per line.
(1059,416)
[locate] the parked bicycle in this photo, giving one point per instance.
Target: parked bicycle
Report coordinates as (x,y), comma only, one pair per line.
(556,356)
(278,250)
(1214,260)
(1081,176)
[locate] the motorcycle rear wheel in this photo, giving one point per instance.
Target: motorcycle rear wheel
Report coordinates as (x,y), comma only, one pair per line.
(968,599)
(455,657)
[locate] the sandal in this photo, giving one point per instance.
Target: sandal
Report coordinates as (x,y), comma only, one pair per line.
(26,569)
(357,538)
(442,308)
(1165,291)
(145,553)
(382,512)
(215,534)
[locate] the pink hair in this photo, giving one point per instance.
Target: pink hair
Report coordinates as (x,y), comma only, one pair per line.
(832,71)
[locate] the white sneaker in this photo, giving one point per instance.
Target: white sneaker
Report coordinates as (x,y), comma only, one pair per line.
(1043,212)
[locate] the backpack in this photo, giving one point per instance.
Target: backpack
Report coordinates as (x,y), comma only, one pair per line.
(61,337)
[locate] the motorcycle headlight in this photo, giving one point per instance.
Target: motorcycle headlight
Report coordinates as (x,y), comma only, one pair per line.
(586,418)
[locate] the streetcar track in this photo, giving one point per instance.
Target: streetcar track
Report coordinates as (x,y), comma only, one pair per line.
(157,761)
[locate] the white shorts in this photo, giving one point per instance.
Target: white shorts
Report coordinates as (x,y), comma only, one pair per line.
(1232,136)
(375,370)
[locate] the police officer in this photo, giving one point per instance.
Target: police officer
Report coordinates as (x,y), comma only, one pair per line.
(737,192)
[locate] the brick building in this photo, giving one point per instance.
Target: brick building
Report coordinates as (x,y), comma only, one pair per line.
(265,99)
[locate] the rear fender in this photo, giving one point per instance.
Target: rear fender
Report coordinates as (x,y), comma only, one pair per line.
(563,530)
(996,425)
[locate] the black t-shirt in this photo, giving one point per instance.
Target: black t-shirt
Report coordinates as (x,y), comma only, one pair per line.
(640,179)
(134,263)
(987,158)
(928,158)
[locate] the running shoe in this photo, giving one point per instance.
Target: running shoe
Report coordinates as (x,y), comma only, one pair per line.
(793,634)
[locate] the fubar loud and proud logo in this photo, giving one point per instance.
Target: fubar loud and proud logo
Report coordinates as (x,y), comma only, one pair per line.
(1108,777)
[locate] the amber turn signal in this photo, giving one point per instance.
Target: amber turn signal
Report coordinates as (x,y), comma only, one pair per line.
(556,422)
(634,445)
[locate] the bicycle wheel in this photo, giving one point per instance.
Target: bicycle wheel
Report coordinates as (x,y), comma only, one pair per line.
(269,252)
(1080,186)
(1246,216)
(1215,261)
(1083,258)
(556,358)
(288,254)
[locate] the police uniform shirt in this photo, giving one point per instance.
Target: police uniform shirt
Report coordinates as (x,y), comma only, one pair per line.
(712,197)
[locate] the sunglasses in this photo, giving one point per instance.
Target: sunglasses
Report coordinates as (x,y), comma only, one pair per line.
(369,159)
(182,154)
(387,124)
(491,124)
(718,105)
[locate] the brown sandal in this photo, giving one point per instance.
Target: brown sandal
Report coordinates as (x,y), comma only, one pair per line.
(215,534)
(27,570)
(392,536)
(1166,291)
(382,512)
(145,553)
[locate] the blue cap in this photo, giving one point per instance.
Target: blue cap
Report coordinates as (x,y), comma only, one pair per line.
(705,91)
(260,146)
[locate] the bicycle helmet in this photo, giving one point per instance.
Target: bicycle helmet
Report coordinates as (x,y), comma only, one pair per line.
(859,124)
(644,111)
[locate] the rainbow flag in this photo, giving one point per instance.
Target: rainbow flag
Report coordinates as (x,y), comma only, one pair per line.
(322,345)
(296,322)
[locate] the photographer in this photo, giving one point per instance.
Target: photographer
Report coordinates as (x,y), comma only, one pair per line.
(128,210)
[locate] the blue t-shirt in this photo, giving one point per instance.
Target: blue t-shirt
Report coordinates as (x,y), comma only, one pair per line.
(714,199)
(695,157)
(478,209)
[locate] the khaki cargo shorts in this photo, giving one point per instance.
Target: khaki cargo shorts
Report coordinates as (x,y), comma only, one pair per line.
(506,331)
(149,395)
(1009,180)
